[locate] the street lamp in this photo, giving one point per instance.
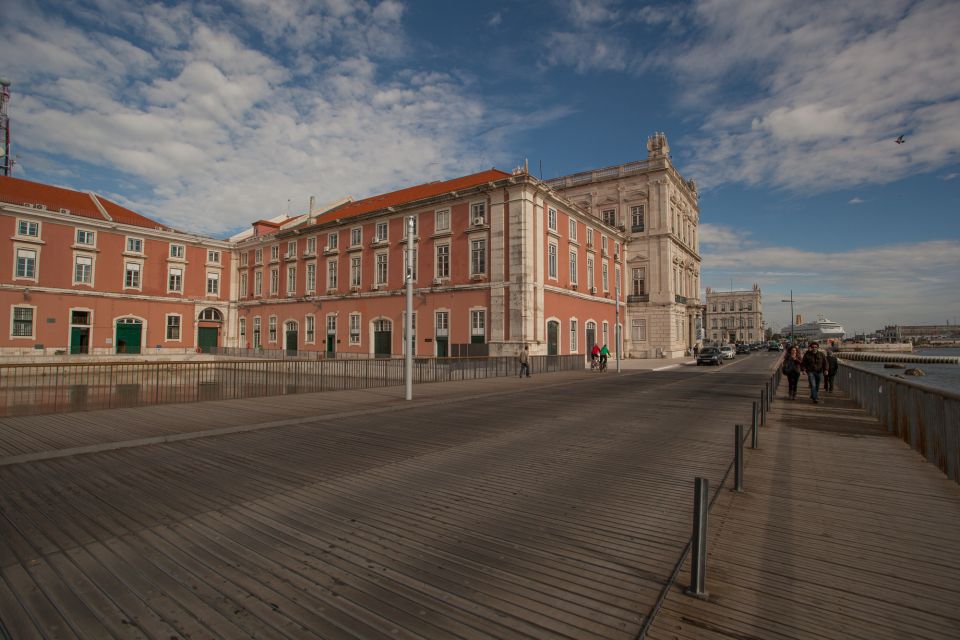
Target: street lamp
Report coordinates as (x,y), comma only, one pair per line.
(616,326)
(792,339)
(408,336)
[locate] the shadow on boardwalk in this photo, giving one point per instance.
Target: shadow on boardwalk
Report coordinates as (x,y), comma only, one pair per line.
(842,532)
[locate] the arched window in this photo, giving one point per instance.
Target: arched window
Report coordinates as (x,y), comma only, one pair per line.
(211,315)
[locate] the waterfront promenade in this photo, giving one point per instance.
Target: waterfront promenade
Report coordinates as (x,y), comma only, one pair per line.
(550,507)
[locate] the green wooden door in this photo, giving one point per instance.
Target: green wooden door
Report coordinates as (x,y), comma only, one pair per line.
(80,340)
(381,343)
(208,337)
(129,337)
(292,341)
(331,344)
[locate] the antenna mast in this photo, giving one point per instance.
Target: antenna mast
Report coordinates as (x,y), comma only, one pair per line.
(6,162)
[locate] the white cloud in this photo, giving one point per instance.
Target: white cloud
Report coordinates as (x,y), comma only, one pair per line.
(856,200)
(855,287)
(222,132)
(950,176)
(824,88)
(495,20)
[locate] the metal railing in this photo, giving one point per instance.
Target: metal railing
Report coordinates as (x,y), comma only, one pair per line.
(926,418)
(34,389)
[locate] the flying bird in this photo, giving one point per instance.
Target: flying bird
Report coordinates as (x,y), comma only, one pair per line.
(900,140)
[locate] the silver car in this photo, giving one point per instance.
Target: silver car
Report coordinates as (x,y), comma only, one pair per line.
(728,352)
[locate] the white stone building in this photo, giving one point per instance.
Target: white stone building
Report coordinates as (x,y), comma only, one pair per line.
(734,316)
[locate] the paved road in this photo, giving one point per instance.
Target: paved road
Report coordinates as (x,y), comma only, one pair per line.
(554,507)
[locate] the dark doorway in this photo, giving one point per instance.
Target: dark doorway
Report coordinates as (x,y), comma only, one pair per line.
(553,333)
(331,345)
(591,336)
(382,338)
(129,335)
(80,332)
(208,337)
(292,338)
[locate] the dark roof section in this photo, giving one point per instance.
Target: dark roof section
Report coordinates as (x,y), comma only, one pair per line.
(75,203)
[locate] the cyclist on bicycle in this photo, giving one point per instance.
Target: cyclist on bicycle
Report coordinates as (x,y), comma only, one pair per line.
(594,354)
(604,354)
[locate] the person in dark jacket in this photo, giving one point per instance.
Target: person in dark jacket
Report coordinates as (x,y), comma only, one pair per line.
(791,369)
(814,363)
(832,365)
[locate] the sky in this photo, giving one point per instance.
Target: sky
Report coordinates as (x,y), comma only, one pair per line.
(209,115)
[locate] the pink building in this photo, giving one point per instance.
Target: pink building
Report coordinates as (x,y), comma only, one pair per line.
(501,260)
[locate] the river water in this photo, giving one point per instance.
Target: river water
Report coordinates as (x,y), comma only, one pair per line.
(942,376)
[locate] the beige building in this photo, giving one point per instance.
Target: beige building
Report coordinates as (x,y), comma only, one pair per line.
(734,316)
(659,211)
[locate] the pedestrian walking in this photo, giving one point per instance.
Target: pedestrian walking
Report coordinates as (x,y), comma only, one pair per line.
(814,363)
(832,366)
(791,369)
(525,361)
(696,350)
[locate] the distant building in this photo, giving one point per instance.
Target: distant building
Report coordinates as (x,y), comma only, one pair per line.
(919,333)
(500,260)
(734,316)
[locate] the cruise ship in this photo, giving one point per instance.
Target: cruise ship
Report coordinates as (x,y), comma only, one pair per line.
(821,330)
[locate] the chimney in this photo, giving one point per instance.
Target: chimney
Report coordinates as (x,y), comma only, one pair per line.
(313,202)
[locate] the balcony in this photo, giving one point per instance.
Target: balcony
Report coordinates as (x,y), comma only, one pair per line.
(637,228)
(680,299)
(639,298)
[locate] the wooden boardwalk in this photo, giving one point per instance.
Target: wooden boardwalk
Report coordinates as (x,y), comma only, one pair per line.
(842,532)
(554,507)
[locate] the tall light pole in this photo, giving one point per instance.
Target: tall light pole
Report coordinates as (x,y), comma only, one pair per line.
(408,333)
(792,340)
(616,326)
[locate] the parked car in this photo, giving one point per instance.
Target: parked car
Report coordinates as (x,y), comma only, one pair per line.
(709,355)
(743,347)
(728,352)
(774,346)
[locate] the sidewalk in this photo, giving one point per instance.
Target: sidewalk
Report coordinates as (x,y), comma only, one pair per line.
(842,532)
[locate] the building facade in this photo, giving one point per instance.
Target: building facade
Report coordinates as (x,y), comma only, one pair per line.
(734,316)
(501,260)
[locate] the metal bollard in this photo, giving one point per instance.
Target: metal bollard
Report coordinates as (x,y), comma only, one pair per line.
(754,437)
(766,395)
(698,563)
(738,459)
(763,413)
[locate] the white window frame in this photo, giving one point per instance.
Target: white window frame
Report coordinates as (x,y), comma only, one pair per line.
(244,285)
(24,227)
(590,272)
(311,282)
(134,245)
(332,276)
(258,282)
(170,276)
(574,342)
(88,233)
(213,256)
(177,251)
(291,250)
(244,258)
(213,278)
(442,220)
(309,329)
(33,262)
(77,257)
(138,270)
(311,248)
(478,211)
(354,328)
(638,212)
(442,264)
(478,257)
(272,330)
(552,260)
(572,224)
(356,236)
(356,271)
(638,329)
(242,331)
(609,219)
(332,240)
(381,268)
(33,322)
(573,267)
(551,219)
(291,280)
(381,232)
(274,252)
(605,275)
(441,323)
(258,255)
(478,322)
(167,326)
(274,281)
(256,338)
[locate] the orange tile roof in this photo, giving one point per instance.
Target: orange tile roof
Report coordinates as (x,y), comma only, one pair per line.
(25,192)
(411,194)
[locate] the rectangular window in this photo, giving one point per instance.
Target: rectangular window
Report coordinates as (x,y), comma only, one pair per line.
(23,322)
(131,276)
(478,213)
(213,256)
(291,249)
(310,328)
(275,252)
(573,229)
(272,329)
(83,270)
(355,271)
(603,244)
(381,268)
(175,279)
(291,280)
(354,328)
(311,277)
(551,219)
(243,285)
(638,330)
(311,246)
(606,333)
(609,217)
(258,283)
(636,217)
(28,228)
(443,261)
(177,251)
(412,273)
(639,281)
(331,274)
(605,276)
(573,336)
(244,257)
(442,323)
(356,236)
(552,261)
(26,263)
(443,220)
(589,237)
(478,257)
(478,322)
(573,267)
(332,241)
(381,232)
(274,281)
(256,332)
(258,256)
(331,324)
(134,245)
(243,331)
(590,279)
(84,237)
(213,284)
(173,327)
